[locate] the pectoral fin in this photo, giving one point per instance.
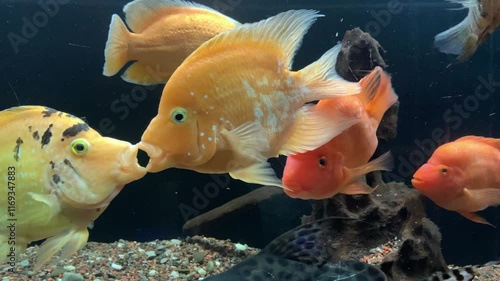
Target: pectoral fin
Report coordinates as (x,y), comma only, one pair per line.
(475,218)
(260,173)
(480,199)
(69,242)
(249,140)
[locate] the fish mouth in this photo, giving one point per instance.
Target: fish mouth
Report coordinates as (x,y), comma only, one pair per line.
(156,156)
(416,182)
(129,164)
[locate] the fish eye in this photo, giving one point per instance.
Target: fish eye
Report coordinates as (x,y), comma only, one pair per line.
(322,162)
(179,115)
(444,171)
(79,146)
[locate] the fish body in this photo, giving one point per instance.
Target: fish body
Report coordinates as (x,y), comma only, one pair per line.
(339,165)
(463,39)
(234,103)
(58,176)
(462,176)
(165,32)
(290,258)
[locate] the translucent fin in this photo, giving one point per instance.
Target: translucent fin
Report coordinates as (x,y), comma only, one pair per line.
(480,199)
(5,252)
(475,218)
(377,93)
(249,140)
(384,162)
(260,173)
(322,80)
(351,271)
(140,14)
(69,242)
(116,51)
(283,32)
(46,214)
(453,40)
(313,128)
(142,74)
(357,187)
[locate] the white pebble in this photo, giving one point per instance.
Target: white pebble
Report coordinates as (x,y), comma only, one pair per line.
(174,274)
(152,272)
(24,263)
(175,241)
(240,247)
(116,266)
(202,271)
(151,254)
(69,268)
(120,245)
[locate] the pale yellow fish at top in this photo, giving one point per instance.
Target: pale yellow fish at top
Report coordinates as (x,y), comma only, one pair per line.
(464,38)
(59,175)
(165,33)
(234,103)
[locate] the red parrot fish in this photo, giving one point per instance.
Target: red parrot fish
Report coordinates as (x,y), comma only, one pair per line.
(464,38)
(340,165)
(235,102)
(462,176)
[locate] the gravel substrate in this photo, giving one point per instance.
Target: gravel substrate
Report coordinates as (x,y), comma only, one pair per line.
(191,259)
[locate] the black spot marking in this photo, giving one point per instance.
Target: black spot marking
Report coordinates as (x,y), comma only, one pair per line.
(75,129)
(48,112)
(29,129)
(36,136)
(60,114)
(56,179)
(67,162)
(46,136)
(62,139)
(98,209)
(52,164)
(19,141)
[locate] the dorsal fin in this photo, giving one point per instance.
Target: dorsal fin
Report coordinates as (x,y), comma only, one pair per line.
(140,14)
(489,141)
(283,32)
(304,243)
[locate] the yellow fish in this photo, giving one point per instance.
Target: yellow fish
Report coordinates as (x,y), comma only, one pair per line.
(58,176)
(234,103)
(165,33)
(464,38)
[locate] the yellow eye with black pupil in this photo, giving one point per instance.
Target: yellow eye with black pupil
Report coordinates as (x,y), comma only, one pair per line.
(79,146)
(179,115)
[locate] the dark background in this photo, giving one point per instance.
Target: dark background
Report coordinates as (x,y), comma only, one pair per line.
(61,67)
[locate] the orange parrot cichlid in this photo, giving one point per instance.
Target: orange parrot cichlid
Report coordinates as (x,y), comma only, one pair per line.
(462,176)
(340,165)
(58,176)
(165,33)
(234,103)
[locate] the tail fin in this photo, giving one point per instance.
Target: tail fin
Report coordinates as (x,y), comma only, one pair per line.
(322,79)
(466,273)
(116,50)
(460,39)
(377,93)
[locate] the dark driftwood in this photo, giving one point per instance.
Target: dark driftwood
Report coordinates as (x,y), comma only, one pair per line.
(253,197)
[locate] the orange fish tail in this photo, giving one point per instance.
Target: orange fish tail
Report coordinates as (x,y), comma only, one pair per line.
(377,93)
(116,51)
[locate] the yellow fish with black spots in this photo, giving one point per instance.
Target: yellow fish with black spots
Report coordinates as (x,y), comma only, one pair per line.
(58,176)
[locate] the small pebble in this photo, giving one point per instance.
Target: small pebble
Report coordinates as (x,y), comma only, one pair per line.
(210,266)
(198,257)
(69,268)
(164,260)
(150,254)
(24,263)
(175,241)
(152,273)
(116,266)
(202,271)
(174,274)
(240,247)
(70,276)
